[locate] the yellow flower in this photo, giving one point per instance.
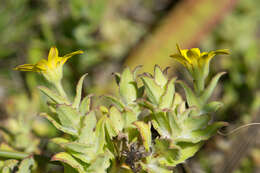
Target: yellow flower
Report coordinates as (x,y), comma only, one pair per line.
(51,68)
(196,62)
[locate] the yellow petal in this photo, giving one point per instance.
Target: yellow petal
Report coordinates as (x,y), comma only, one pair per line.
(194,53)
(184,54)
(25,67)
(222,51)
(180,59)
(178,48)
(67,56)
(53,54)
(211,54)
(41,65)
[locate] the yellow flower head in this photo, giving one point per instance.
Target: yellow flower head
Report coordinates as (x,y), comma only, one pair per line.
(51,68)
(196,62)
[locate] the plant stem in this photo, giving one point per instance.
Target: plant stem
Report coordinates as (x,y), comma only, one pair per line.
(199,86)
(13,154)
(60,89)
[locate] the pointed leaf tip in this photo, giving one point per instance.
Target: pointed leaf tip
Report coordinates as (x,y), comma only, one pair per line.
(78,92)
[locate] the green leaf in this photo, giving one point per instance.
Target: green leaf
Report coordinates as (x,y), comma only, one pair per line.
(168,96)
(26,165)
(161,124)
(100,134)
(155,167)
(85,157)
(211,107)
(59,126)
(127,88)
(115,101)
(177,100)
(153,91)
(83,152)
(78,92)
(145,132)
(53,96)
(100,164)
(168,154)
(187,150)
(146,104)
(195,123)
(159,77)
(183,113)
(59,140)
(9,165)
(69,169)
(210,88)
(129,117)
(85,105)
(12,154)
(111,130)
(78,147)
(136,69)
(206,133)
(6,170)
(68,159)
(87,134)
(175,126)
(116,119)
(192,99)
(68,116)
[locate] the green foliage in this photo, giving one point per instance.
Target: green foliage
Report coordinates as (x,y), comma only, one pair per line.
(119,138)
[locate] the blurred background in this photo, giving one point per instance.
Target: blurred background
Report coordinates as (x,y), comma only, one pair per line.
(118,33)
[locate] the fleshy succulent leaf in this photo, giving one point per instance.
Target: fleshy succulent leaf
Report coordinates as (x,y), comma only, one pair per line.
(154,167)
(68,116)
(195,123)
(100,134)
(161,124)
(78,147)
(70,160)
(168,96)
(116,117)
(77,99)
(86,134)
(135,71)
(85,105)
(159,77)
(153,91)
(115,102)
(145,132)
(192,99)
(59,140)
(9,165)
(206,133)
(127,88)
(53,96)
(100,164)
(26,165)
(210,88)
(168,155)
(59,126)
(129,117)
(187,150)
(211,107)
